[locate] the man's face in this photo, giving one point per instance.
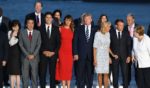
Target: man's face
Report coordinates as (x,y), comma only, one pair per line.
(120,26)
(30,24)
(87,20)
(130,20)
(48,19)
(38,7)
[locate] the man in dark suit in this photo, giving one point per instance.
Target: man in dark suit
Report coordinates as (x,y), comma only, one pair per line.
(4,22)
(121,49)
(83,52)
(4,27)
(3,54)
(130,27)
(38,16)
(148,31)
(49,50)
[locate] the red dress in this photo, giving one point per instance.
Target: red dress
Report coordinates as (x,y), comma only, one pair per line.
(65,64)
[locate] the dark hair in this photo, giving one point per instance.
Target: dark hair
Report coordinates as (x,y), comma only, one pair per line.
(72,22)
(57,10)
(29,18)
(119,20)
(1,11)
(38,1)
(100,18)
(15,23)
(48,13)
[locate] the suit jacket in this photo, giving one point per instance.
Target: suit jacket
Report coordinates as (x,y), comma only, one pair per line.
(33,16)
(51,43)
(30,47)
(3,46)
(122,48)
(5,25)
(148,31)
(80,45)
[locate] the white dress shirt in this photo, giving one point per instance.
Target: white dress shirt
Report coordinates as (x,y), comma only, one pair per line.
(29,32)
(141,51)
(0,19)
(117,33)
(39,15)
(12,40)
(89,27)
(131,29)
(50,28)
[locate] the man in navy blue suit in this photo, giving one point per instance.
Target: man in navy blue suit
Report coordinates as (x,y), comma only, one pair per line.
(83,52)
(3,55)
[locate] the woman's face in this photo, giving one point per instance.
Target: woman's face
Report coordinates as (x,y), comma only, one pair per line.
(67,22)
(136,34)
(15,28)
(108,28)
(57,15)
(104,19)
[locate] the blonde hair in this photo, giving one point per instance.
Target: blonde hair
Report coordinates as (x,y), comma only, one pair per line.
(104,25)
(140,30)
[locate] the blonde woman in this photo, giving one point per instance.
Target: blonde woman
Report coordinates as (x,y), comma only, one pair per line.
(101,53)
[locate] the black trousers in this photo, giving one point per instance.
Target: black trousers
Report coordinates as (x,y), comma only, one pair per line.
(143,75)
(1,74)
(44,63)
(84,73)
(5,75)
(124,71)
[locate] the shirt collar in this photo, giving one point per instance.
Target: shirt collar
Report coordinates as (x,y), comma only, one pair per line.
(1,19)
(37,13)
(50,26)
(29,31)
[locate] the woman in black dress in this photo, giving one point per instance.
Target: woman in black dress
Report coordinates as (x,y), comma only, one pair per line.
(14,54)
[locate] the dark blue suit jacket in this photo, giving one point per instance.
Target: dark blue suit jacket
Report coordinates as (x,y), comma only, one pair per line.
(3,46)
(80,45)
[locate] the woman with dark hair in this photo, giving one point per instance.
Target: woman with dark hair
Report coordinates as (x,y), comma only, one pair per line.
(103,18)
(57,17)
(65,61)
(14,54)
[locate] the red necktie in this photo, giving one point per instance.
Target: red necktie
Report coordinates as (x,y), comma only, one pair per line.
(30,36)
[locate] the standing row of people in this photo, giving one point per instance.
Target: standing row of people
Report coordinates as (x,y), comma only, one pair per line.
(46,43)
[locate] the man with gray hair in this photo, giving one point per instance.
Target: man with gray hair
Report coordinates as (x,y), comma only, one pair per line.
(130,27)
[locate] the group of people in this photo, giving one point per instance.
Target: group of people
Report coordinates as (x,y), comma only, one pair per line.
(47,43)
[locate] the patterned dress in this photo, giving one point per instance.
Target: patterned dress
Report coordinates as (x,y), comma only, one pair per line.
(102,44)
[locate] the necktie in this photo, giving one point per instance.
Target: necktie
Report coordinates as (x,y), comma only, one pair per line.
(119,35)
(37,19)
(30,36)
(48,32)
(87,34)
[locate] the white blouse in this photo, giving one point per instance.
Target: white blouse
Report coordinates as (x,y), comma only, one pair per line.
(12,40)
(141,51)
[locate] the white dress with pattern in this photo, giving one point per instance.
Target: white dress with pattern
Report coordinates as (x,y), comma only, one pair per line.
(102,44)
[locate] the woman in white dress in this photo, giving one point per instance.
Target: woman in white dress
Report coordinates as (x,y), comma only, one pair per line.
(101,53)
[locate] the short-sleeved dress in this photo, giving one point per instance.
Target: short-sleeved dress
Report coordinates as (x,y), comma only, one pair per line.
(102,44)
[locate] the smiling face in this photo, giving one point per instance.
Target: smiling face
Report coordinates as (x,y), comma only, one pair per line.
(15,28)
(48,19)
(68,22)
(130,20)
(87,20)
(120,26)
(103,19)
(57,15)
(30,24)
(38,7)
